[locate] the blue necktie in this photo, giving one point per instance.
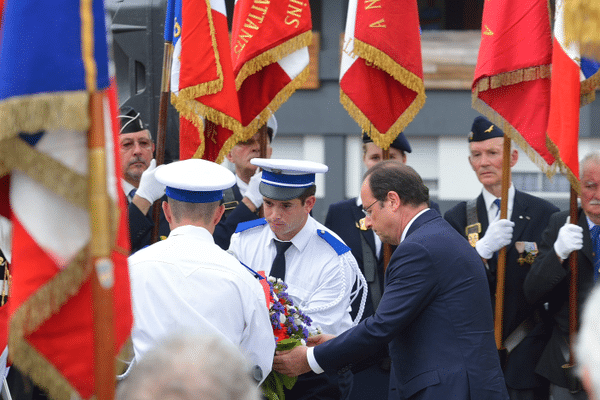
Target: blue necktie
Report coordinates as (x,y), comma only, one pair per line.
(132,193)
(596,247)
(497,203)
(278,267)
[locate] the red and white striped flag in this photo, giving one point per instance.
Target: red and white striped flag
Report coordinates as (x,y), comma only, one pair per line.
(202,81)
(381,79)
(270,56)
(512,77)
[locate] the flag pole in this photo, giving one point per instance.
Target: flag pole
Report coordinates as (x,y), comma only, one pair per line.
(165,91)
(102,277)
(573,267)
(501,267)
(161,133)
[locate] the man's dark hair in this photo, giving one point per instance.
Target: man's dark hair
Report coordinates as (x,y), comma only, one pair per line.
(194,211)
(310,191)
(394,176)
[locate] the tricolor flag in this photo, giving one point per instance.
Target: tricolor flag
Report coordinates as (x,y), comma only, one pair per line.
(574,82)
(381,79)
(512,76)
(202,80)
(50,79)
(270,56)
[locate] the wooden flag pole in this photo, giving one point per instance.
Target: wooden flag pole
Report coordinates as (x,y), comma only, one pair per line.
(161,133)
(99,255)
(501,267)
(574,268)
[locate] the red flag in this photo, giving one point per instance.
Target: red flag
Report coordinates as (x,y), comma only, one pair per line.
(381,79)
(51,332)
(270,56)
(512,77)
(202,80)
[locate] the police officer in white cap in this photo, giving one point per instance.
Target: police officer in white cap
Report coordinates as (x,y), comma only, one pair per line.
(186,283)
(288,243)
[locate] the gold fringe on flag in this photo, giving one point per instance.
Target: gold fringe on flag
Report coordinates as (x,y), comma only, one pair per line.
(15,154)
(281,97)
(37,309)
(45,111)
(402,75)
(507,79)
(560,165)
(213,86)
(582,25)
(272,56)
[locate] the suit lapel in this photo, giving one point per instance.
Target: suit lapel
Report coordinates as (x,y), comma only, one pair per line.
(358,214)
(519,216)
(587,240)
(482,215)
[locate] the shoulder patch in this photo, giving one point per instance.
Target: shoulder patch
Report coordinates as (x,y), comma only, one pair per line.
(242,226)
(339,247)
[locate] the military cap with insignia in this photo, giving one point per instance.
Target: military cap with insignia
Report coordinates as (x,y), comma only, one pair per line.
(483,129)
(130,120)
(286,179)
(399,143)
(195,180)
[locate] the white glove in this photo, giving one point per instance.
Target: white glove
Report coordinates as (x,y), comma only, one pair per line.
(252,193)
(570,238)
(498,235)
(150,189)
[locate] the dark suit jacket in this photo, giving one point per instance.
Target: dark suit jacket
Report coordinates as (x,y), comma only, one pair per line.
(140,226)
(440,335)
(530,215)
(230,220)
(548,281)
(343,218)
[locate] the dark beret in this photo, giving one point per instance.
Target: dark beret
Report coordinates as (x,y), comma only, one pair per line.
(130,120)
(483,129)
(399,143)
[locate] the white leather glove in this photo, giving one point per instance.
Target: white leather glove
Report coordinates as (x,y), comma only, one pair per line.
(150,189)
(570,239)
(252,193)
(498,235)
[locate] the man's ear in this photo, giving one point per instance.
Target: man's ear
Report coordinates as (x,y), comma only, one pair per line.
(309,203)
(167,210)
(394,199)
(218,214)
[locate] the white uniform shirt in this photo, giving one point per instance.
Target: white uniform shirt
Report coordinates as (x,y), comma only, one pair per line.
(319,280)
(186,283)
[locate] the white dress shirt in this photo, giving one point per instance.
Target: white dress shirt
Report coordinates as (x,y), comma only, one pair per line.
(492,209)
(186,283)
(319,280)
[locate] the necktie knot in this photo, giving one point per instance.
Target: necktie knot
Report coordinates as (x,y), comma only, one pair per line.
(282,246)
(497,203)
(132,193)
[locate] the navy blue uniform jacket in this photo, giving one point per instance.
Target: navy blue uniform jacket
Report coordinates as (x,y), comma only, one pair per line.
(530,215)
(440,332)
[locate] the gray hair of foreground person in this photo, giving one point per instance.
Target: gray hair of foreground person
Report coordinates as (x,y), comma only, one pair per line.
(187,367)
(588,345)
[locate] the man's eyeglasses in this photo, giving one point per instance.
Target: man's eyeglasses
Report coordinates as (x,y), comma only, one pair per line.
(366,210)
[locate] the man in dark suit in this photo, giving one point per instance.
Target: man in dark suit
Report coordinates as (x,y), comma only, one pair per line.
(521,233)
(549,277)
(136,149)
(440,334)
(346,218)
